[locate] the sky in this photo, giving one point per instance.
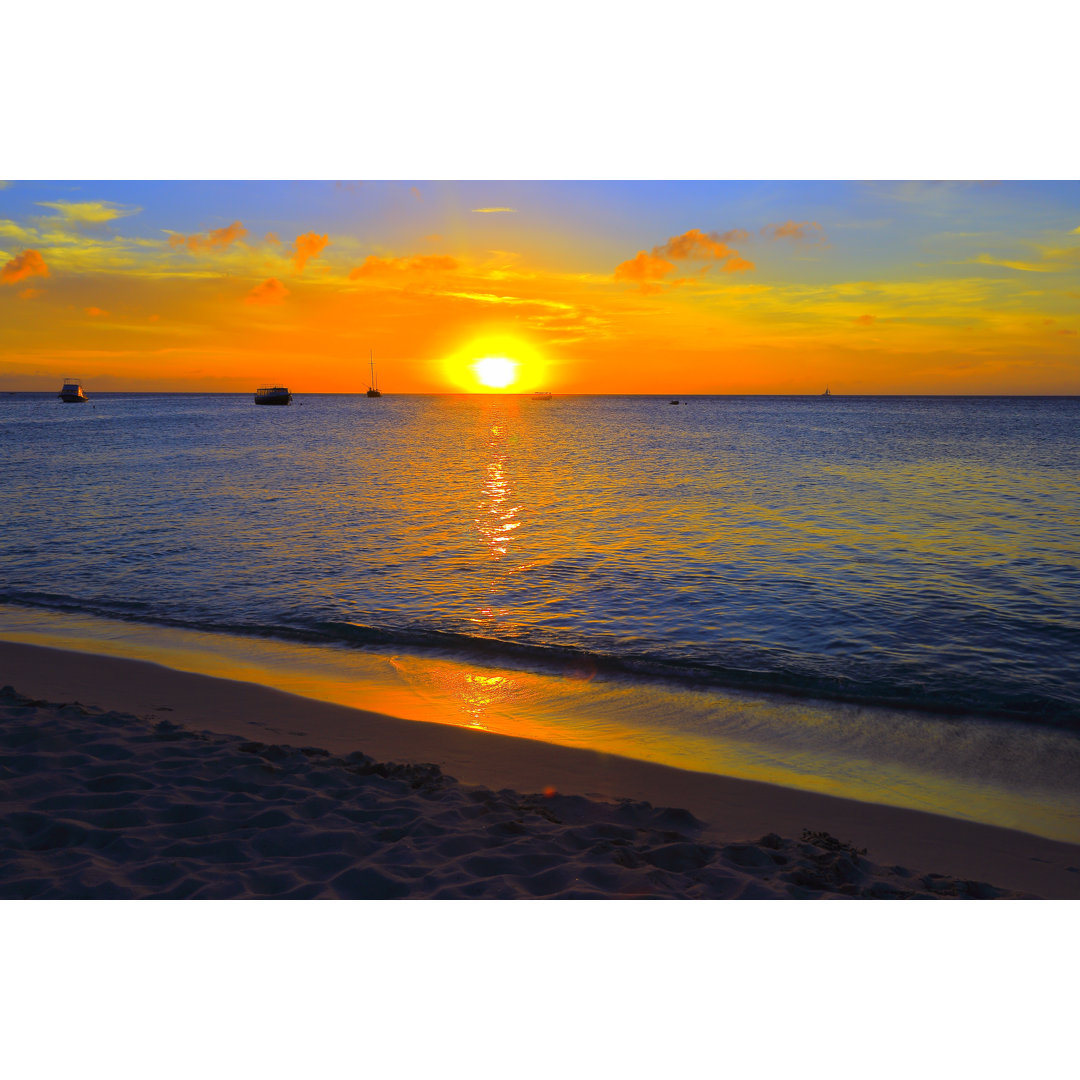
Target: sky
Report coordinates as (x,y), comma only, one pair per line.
(681,287)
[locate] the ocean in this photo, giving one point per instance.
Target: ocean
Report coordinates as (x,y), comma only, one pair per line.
(917,555)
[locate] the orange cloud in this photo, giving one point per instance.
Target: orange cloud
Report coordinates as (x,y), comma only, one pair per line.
(30,294)
(695,244)
(95,312)
(737,263)
(494,210)
(271,291)
(307,247)
(272,238)
(644,270)
(865,320)
(214,240)
(28,264)
(374,267)
(647,270)
(795,230)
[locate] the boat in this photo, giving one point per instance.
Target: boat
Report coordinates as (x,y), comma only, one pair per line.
(542,395)
(827,393)
(72,391)
(673,402)
(373,390)
(273,395)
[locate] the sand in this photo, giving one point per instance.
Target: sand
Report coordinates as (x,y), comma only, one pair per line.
(126,779)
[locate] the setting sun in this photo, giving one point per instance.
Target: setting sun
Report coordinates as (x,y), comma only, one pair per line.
(497,372)
(496,363)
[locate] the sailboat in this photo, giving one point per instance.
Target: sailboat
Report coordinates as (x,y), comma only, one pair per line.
(373,390)
(827,393)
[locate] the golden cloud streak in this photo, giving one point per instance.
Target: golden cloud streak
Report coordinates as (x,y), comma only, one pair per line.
(91,213)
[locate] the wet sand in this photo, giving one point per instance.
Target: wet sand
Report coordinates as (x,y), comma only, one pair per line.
(156,768)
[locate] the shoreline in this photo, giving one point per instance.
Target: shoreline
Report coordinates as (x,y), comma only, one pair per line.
(731,809)
(1018,777)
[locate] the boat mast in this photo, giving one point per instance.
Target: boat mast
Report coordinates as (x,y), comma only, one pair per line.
(371,357)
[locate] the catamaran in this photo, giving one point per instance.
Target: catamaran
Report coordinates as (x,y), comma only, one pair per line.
(71,391)
(373,390)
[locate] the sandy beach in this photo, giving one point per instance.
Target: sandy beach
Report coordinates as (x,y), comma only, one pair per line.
(128,779)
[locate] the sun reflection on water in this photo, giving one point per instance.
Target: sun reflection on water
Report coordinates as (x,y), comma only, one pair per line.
(497,519)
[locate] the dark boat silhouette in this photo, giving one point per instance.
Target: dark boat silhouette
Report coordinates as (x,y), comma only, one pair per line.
(72,391)
(273,395)
(373,390)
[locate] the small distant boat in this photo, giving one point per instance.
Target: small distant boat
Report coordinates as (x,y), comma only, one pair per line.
(273,395)
(373,390)
(827,393)
(71,391)
(542,395)
(673,402)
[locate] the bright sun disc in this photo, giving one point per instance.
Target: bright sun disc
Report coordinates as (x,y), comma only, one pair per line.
(495,371)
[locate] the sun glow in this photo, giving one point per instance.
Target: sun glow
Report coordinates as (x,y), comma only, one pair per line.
(496,364)
(497,372)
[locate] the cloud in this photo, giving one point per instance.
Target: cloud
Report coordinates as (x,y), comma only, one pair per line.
(375,267)
(865,320)
(28,264)
(415,193)
(30,294)
(272,238)
(644,270)
(494,298)
(737,263)
(271,291)
(215,240)
(648,270)
(8,183)
(95,312)
(308,247)
(1012,264)
(494,210)
(795,230)
(695,244)
(16,231)
(91,213)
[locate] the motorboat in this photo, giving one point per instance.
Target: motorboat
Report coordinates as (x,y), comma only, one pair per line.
(72,391)
(273,395)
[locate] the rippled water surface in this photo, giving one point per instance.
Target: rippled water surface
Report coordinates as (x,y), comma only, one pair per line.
(917,551)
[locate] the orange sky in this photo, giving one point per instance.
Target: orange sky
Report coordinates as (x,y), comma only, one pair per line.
(679,287)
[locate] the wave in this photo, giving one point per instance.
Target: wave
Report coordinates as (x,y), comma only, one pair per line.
(714,673)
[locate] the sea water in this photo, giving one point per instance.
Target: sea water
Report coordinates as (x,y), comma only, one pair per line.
(894,556)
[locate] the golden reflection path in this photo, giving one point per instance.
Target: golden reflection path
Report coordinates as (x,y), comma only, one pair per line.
(495,524)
